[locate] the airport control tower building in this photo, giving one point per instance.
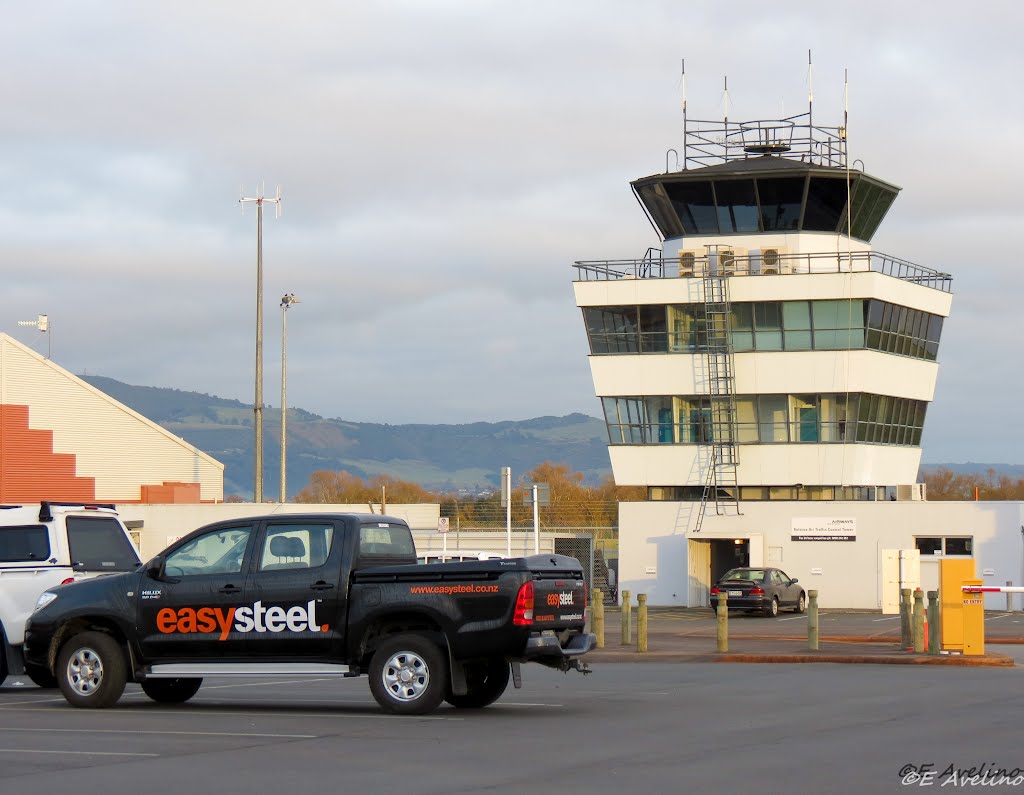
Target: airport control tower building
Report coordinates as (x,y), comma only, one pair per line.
(765,352)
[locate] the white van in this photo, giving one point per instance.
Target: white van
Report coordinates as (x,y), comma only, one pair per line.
(47,544)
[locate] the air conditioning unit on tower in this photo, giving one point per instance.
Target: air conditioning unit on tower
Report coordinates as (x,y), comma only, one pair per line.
(687,263)
(773,261)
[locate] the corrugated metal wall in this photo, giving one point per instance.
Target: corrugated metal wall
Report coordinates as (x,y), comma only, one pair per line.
(118,449)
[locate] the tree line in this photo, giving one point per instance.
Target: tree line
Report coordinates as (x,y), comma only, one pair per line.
(572,503)
(944,484)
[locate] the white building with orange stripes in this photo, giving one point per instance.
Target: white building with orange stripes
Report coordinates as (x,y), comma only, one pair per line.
(62,439)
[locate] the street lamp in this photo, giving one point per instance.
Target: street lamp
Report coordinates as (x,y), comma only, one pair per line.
(286,303)
(258,402)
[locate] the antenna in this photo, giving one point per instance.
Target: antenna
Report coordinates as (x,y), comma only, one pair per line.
(725,101)
(260,200)
(42,323)
(684,112)
(810,91)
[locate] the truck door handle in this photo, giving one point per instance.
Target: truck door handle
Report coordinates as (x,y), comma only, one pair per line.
(321,586)
(229,589)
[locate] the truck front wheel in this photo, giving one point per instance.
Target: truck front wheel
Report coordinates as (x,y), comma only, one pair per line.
(408,675)
(91,670)
(485,682)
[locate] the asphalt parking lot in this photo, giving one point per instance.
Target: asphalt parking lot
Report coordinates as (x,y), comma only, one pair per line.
(627,727)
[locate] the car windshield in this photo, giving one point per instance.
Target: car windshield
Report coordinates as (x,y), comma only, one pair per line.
(753,575)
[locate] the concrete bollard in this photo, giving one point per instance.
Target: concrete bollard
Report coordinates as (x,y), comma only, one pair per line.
(919,644)
(812,620)
(598,611)
(641,622)
(933,622)
(627,619)
(906,632)
(723,622)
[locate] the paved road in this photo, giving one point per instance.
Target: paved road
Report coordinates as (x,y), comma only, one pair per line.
(627,728)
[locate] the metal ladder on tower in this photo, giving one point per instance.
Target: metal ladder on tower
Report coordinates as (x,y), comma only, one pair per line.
(721,484)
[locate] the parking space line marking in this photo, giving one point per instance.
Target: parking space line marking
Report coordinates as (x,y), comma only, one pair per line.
(79,753)
(279,714)
(30,701)
(890,618)
(793,618)
(150,731)
(1004,615)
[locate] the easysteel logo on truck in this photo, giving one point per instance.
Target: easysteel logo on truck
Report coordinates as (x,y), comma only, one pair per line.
(186,620)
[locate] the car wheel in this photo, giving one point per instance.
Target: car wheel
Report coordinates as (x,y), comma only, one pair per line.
(408,675)
(171,691)
(801,603)
(773,607)
(485,682)
(41,677)
(91,670)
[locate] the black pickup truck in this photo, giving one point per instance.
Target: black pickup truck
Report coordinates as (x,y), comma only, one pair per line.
(315,594)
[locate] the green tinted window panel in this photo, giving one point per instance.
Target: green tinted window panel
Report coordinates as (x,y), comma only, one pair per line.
(796,315)
(798,340)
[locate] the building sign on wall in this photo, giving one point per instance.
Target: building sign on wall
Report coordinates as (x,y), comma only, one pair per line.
(828,529)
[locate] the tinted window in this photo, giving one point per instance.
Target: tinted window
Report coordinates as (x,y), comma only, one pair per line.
(695,206)
(826,199)
(737,206)
(390,540)
(99,544)
(24,544)
(296,546)
(780,202)
(217,552)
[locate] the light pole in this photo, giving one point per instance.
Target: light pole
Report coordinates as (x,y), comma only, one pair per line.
(286,303)
(258,402)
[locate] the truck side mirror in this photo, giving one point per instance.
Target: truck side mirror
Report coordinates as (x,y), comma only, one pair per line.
(155,568)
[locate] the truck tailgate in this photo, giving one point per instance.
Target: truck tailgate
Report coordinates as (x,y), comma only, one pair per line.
(560,591)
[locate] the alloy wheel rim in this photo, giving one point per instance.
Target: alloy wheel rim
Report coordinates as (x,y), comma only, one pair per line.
(85,671)
(405,676)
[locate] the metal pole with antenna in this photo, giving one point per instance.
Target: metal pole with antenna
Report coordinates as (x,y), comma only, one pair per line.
(259,199)
(286,303)
(684,114)
(42,322)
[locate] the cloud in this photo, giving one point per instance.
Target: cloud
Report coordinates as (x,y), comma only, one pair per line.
(443,164)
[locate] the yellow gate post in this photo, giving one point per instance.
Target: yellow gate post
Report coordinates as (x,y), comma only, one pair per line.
(952,574)
(627,619)
(974,619)
(598,610)
(641,623)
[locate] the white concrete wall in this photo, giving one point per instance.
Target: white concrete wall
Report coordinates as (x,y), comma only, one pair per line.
(766,373)
(653,544)
(164,523)
(769,464)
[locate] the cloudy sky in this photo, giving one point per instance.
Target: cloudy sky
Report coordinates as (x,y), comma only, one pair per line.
(443,163)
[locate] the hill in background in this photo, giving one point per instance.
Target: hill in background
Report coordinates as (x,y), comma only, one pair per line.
(438,457)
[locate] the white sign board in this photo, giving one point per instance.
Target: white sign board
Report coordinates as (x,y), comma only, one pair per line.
(442,524)
(823,529)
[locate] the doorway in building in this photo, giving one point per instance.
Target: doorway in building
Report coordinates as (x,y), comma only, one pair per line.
(709,560)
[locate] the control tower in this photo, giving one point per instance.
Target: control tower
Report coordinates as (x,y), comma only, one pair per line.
(765,352)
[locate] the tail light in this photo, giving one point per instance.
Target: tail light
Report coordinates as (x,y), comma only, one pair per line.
(715,591)
(757,591)
(523,615)
(69,579)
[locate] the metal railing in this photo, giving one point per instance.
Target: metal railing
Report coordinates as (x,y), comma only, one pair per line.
(754,265)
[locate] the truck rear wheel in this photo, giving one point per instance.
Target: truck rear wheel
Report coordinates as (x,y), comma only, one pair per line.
(91,670)
(485,683)
(408,675)
(171,691)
